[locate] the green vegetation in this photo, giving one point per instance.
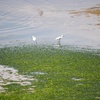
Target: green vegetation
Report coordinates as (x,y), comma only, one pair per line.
(70,75)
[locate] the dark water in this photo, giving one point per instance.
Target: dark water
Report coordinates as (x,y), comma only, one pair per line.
(47,19)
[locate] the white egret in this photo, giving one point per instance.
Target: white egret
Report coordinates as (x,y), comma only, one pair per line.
(34,38)
(59,38)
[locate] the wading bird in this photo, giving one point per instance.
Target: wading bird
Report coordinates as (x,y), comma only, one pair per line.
(34,38)
(59,39)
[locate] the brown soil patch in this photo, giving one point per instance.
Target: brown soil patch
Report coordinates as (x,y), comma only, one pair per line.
(93,11)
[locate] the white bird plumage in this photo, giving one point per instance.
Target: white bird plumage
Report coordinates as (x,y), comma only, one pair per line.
(34,38)
(59,38)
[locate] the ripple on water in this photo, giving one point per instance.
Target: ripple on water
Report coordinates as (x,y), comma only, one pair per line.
(47,19)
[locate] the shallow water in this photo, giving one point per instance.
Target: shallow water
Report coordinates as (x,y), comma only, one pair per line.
(9,75)
(47,19)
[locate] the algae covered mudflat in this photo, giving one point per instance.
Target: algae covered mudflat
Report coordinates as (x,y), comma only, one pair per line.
(59,73)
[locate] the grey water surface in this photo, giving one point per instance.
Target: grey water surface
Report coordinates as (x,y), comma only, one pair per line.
(48,19)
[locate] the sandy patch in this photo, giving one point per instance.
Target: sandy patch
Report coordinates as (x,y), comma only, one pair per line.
(93,11)
(11,76)
(77,79)
(38,73)
(98,98)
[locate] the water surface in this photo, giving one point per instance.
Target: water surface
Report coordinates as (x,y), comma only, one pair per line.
(47,19)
